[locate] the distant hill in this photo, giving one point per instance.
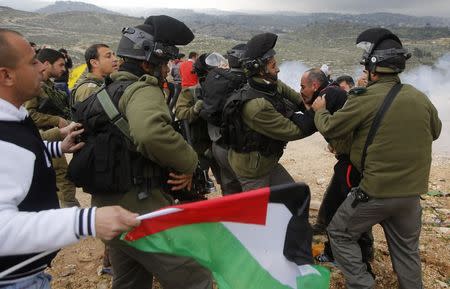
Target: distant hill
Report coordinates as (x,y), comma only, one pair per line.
(313,39)
(71,6)
(286,19)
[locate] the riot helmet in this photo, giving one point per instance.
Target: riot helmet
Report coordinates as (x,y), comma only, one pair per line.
(259,49)
(216,60)
(383,51)
(155,40)
(235,55)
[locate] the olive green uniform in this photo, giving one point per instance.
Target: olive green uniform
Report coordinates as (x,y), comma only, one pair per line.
(86,87)
(409,155)
(396,172)
(188,107)
(58,107)
(253,169)
(52,134)
(49,120)
(149,120)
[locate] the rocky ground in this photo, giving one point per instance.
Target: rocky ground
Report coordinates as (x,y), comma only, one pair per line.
(309,161)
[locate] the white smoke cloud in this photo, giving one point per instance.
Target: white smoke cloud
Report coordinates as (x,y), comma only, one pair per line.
(291,72)
(434,81)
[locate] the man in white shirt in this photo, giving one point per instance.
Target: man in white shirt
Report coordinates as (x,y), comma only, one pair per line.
(30,221)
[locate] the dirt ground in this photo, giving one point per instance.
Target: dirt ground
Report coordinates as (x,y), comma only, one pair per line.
(77,266)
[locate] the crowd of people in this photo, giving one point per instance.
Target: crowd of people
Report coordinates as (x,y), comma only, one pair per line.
(144,123)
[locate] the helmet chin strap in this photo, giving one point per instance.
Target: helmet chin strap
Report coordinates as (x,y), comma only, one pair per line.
(369,78)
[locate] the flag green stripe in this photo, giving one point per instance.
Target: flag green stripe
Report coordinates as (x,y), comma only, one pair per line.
(313,281)
(216,248)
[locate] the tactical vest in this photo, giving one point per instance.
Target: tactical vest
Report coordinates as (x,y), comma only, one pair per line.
(41,194)
(109,163)
(242,138)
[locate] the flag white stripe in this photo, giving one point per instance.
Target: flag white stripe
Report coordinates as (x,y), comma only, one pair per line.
(159,213)
(266,243)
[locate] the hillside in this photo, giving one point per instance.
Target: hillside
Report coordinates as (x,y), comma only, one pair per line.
(70,6)
(311,38)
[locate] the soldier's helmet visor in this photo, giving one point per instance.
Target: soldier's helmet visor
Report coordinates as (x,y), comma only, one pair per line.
(145,41)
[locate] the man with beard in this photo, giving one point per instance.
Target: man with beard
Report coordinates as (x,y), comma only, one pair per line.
(314,83)
(51,109)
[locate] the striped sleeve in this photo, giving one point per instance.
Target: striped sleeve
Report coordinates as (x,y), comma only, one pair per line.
(85,222)
(54,148)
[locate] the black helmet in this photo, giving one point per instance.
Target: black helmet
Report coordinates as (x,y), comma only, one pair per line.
(155,40)
(235,55)
(383,51)
(259,50)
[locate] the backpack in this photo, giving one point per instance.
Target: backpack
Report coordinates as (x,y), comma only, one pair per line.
(217,87)
(107,163)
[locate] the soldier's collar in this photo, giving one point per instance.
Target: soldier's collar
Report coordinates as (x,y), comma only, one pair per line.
(262,85)
(385,78)
(91,75)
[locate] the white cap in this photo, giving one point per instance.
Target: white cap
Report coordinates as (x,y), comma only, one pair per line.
(325,69)
(216,60)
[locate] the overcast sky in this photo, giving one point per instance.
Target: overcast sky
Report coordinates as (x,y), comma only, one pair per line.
(411,7)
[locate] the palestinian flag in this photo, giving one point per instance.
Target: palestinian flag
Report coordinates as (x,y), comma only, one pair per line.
(259,239)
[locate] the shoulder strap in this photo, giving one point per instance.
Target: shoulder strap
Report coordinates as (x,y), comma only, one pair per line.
(377,120)
(113,114)
(78,85)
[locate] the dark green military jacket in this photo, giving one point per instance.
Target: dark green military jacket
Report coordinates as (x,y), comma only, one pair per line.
(86,87)
(51,104)
(149,120)
(260,115)
(53,134)
(188,105)
(398,161)
(187,108)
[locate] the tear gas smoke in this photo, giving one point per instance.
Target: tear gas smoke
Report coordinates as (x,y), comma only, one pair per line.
(434,81)
(290,73)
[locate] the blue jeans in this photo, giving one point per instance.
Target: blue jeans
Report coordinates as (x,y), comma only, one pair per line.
(39,281)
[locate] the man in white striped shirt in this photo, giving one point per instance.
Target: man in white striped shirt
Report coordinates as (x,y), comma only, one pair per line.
(30,221)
